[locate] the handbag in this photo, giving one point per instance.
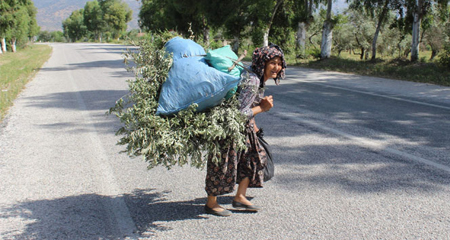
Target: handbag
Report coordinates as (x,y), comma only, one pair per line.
(269,169)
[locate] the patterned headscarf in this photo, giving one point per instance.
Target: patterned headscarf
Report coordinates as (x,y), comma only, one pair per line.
(262,55)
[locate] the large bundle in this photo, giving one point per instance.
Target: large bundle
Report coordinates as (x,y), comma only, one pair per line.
(184,136)
(191,80)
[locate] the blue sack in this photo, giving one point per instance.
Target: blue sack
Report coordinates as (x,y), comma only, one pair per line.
(183,48)
(192,80)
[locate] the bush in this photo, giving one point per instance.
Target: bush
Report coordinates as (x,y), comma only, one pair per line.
(444,57)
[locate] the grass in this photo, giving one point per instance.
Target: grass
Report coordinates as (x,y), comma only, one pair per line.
(17,69)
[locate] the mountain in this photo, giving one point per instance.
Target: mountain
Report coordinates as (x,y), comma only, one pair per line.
(51,13)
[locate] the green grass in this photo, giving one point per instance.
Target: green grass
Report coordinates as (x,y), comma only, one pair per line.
(16,69)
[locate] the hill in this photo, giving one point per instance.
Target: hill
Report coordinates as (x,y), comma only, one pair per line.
(51,13)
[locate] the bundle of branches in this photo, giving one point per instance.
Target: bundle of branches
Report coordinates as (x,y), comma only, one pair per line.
(186,137)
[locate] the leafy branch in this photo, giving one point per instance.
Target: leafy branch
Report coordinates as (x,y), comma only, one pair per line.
(188,136)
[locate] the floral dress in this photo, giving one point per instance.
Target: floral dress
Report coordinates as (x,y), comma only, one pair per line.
(221,178)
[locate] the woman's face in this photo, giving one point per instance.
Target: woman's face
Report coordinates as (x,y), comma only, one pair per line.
(272,68)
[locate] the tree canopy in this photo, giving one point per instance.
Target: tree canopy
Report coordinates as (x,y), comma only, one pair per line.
(98,20)
(17,23)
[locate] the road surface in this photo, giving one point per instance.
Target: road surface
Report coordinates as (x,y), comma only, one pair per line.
(356,158)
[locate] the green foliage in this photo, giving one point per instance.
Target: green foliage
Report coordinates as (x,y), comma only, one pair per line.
(18,22)
(74,27)
(92,17)
(444,59)
(188,136)
(116,15)
(58,36)
(98,19)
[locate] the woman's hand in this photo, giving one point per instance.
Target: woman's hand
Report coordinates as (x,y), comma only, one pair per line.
(266,103)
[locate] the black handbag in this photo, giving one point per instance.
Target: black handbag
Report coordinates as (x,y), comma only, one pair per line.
(269,169)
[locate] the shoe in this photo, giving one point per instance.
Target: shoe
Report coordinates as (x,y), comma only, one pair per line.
(224,213)
(241,206)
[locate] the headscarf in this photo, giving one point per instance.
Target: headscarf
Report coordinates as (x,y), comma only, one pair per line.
(262,55)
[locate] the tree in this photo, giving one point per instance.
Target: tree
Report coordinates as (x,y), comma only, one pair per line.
(434,34)
(73,26)
(33,28)
(116,15)
(93,19)
(343,34)
(44,36)
(18,27)
(181,16)
(197,16)
(363,29)
(303,17)
(4,20)
(269,20)
(327,33)
(239,15)
(416,10)
(376,9)
(17,22)
(157,15)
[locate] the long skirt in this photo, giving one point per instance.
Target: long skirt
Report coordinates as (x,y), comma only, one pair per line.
(221,178)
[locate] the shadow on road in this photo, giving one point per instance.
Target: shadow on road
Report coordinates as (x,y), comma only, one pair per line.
(112,64)
(85,216)
(341,162)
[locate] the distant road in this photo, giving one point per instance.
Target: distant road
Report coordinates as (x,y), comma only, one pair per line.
(356,158)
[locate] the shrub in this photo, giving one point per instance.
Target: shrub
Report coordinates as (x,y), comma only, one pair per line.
(444,57)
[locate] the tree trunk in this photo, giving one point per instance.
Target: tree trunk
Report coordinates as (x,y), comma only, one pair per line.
(206,36)
(205,32)
(434,52)
(327,34)
(415,34)
(4,44)
(377,31)
(362,54)
(301,38)
(267,31)
(13,45)
(266,37)
(236,44)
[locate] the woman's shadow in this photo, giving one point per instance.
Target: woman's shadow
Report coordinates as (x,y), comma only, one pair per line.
(86,216)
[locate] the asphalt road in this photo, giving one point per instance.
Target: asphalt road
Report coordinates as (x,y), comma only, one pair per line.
(355,157)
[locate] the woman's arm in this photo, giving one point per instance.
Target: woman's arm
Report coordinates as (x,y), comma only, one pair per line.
(265,105)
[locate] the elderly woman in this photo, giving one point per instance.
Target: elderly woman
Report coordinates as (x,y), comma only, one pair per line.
(246,168)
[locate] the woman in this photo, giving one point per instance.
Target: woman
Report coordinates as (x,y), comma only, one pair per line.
(246,168)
